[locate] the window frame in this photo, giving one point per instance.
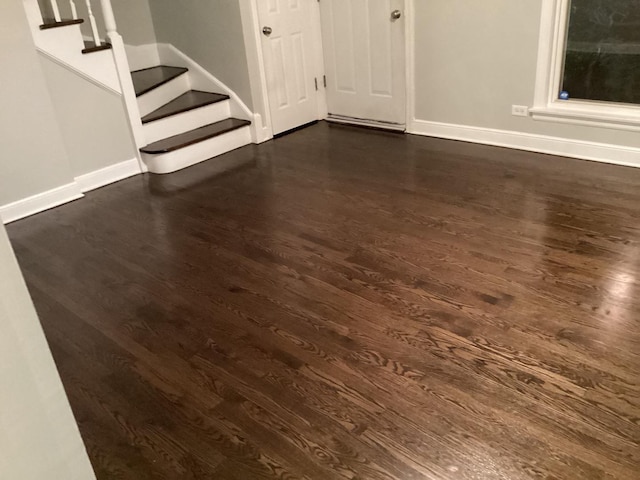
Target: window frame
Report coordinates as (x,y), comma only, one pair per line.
(547,106)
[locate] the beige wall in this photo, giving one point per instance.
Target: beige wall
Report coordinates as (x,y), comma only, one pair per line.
(210,32)
(474,59)
(39,438)
(33,157)
(93,121)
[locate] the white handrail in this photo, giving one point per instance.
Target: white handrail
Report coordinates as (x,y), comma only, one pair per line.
(94,26)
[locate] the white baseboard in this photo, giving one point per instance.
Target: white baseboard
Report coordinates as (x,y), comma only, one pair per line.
(40,202)
(260,133)
(600,152)
(69,192)
(107,175)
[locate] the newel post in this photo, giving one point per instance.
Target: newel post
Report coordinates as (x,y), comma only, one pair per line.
(109,17)
(124,75)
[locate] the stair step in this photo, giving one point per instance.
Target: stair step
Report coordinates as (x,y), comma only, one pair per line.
(90,47)
(195,136)
(51,23)
(189,101)
(149,78)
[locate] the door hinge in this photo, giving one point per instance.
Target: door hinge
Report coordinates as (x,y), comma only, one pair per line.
(324,77)
(316,80)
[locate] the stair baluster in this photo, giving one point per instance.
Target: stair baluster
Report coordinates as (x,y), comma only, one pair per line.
(94,26)
(74,11)
(56,10)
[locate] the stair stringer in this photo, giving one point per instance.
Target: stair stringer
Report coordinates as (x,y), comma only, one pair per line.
(202,79)
(65,44)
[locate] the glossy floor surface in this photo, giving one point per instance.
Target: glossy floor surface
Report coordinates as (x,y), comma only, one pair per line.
(350,304)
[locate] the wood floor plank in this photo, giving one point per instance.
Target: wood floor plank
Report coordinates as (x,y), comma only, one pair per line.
(344,303)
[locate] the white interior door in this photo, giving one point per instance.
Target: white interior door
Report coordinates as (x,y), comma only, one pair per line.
(364,54)
(292,61)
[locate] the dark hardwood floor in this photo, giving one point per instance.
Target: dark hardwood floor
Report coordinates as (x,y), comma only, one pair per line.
(349,304)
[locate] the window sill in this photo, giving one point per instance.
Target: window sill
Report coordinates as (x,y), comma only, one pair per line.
(620,117)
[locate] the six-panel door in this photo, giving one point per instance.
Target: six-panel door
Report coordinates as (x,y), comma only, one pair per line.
(364,55)
(290,48)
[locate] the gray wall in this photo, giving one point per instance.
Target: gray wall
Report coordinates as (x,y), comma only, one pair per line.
(39,438)
(33,157)
(210,32)
(132,16)
(134,21)
(92,120)
(474,59)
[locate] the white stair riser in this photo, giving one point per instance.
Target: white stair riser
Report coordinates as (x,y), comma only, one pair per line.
(163,94)
(183,122)
(199,152)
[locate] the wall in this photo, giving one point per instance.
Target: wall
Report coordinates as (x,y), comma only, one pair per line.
(92,120)
(210,32)
(38,435)
(32,151)
(132,16)
(134,21)
(475,59)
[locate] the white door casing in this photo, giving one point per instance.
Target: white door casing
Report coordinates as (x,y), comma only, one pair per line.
(364,53)
(292,61)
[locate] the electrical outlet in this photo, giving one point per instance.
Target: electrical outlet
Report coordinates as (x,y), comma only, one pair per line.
(519,110)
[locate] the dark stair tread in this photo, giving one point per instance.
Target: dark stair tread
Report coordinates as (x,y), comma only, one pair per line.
(51,23)
(194,136)
(90,47)
(188,101)
(149,78)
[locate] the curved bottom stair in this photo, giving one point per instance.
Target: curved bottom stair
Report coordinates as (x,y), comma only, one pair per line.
(182,126)
(195,146)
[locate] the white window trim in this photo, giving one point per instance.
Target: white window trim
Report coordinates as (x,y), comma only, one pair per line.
(547,105)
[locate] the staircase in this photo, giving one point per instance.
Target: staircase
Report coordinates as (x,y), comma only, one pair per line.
(174,124)
(57,35)
(182,126)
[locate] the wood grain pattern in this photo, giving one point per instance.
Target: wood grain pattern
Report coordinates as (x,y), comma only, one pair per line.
(349,304)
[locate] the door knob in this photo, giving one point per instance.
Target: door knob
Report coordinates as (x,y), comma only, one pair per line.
(396,14)
(267,31)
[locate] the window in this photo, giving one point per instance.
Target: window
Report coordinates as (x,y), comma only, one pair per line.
(589,63)
(602,51)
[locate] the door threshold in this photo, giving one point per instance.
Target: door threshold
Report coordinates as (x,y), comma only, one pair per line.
(363,122)
(294,129)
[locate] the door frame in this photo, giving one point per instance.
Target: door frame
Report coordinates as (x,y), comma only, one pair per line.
(258,78)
